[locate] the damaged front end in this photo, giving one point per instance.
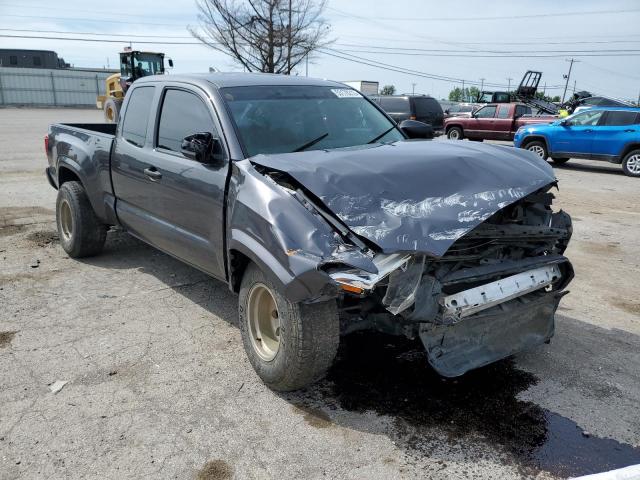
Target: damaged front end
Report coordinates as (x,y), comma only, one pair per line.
(476,270)
(492,294)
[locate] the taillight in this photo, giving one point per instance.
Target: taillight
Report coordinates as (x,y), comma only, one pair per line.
(46,144)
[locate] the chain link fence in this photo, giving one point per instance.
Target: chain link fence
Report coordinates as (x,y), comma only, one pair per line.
(51,88)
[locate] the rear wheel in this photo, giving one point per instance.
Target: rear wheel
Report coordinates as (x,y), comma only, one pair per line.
(81,232)
(112,110)
(289,345)
(455,133)
(631,163)
(560,161)
(537,147)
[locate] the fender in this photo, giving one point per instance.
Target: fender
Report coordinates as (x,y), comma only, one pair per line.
(295,275)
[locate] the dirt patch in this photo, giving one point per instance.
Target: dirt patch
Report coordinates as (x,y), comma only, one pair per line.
(215,470)
(43,238)
(5,338)
(598,248)
(315,417)
(8,230)
(9,215)
(630,307)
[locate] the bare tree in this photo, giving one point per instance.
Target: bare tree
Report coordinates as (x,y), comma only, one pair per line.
(271,36)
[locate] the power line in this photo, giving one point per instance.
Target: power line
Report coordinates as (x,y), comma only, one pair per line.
(454,53)
(98,20)
(95,33)
(100,40)
(506,17)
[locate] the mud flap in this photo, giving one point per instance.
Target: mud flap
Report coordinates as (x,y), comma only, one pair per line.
(489,336)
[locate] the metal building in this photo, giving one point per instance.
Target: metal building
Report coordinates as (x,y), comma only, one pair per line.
(69,87)
(19,58)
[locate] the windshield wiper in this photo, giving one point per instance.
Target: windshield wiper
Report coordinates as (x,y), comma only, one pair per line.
(311,143)
(381,135)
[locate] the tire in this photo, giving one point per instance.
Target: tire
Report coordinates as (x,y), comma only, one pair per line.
(631,163)
(306,336)
(80,231)
(455,133)
(537,147)
(560,161)
(112,110)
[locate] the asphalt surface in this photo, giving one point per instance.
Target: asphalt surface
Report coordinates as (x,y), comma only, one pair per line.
(158,384)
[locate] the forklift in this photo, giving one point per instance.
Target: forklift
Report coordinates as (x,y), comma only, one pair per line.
(134,64)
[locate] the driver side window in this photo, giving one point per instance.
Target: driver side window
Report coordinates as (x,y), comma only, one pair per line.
(585,118)
(486,112)
(182,114)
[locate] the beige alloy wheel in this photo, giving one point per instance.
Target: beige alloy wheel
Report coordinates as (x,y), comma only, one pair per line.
(263,322)
(66,220)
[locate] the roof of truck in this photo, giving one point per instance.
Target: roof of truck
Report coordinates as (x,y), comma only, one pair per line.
(240,79)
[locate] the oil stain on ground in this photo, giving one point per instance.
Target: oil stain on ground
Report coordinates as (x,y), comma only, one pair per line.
(315,417)
(5,338)
(215,470)
(377,373)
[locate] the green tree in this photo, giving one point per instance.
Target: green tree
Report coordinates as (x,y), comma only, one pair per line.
(388,90)
(466,95)
(456,95)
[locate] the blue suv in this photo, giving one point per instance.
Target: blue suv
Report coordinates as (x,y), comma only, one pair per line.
(599,133)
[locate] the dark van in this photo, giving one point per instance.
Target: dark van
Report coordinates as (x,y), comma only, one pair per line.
(413,107)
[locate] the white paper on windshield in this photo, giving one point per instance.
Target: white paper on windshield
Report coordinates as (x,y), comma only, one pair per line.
(345,93)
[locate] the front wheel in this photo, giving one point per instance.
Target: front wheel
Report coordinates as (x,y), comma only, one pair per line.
(537,147)
(631,164)
(560,161)
(289,345)
(112,110)
(455,133)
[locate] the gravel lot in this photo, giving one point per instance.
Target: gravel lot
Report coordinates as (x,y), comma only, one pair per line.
(158,384)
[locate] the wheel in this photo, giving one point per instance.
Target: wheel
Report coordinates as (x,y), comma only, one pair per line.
(537,147)
(631,164)
(81,232)
(289,345)
(560,161)
(112,110)
(455,133)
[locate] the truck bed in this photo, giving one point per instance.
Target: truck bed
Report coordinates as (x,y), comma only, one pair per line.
(105,128)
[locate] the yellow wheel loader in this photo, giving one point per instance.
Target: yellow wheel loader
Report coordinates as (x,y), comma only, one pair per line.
(133,65)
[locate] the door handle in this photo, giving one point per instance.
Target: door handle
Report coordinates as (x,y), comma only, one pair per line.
(629,130)
(152,173)
(588,130)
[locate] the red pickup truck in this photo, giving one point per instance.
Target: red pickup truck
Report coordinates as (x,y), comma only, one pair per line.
(493,122)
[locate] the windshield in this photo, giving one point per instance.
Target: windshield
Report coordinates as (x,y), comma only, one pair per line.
(283,119)
(147,64)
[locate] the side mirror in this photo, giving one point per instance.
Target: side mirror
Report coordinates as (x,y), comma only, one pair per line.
(415,129)
(202,147)
(447,111)
(171,63)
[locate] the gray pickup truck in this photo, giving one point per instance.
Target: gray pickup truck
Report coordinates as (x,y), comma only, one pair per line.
(324,215)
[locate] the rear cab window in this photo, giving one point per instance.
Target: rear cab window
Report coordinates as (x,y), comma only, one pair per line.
(182,114)
(395,104)
(503,111)
(426,106)
(136,116)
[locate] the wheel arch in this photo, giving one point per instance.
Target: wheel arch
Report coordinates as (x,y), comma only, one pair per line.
(628,149)
(535,138)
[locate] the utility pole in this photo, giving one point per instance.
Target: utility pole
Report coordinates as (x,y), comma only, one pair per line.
(574,87)
(482,84)
(568,76)
(509,87)
(289,42)
(413,89)
(306,69)
(464,95)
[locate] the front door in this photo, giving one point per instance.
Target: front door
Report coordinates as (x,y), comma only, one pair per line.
(173,202)
(574,136)
(482,123)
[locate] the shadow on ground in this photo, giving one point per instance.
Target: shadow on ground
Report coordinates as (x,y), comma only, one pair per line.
(391,377)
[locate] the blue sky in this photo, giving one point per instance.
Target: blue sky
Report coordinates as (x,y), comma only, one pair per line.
(361,27)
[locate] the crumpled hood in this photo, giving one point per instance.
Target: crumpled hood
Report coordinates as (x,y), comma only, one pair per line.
(415,195)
